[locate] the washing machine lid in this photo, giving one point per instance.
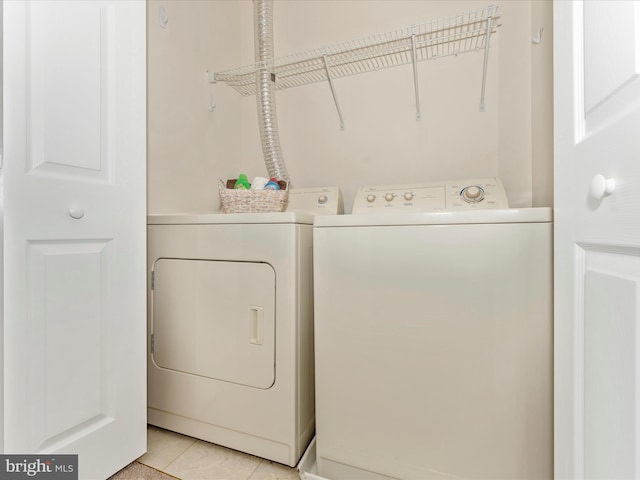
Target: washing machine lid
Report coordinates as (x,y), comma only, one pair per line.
(507,215)
(304,218)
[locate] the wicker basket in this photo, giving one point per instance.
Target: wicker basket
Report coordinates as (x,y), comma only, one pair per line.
(252,201)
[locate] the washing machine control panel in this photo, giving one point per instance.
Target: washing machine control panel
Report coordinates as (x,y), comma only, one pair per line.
(317,200)
(431,197)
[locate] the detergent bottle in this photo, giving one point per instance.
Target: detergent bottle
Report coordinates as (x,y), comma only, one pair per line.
(242,182)
(272,184)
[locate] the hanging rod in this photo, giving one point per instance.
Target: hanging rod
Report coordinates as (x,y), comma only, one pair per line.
(462,33)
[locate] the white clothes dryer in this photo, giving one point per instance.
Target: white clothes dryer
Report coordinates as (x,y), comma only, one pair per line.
(230,356)
(433,336)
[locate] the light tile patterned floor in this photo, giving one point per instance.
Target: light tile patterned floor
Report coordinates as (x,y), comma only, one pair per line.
(189,459)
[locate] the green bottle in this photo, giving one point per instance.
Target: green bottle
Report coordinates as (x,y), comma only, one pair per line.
(242,182)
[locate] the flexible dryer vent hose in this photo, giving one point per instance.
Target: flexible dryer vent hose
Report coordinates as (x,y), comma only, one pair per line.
(266,90)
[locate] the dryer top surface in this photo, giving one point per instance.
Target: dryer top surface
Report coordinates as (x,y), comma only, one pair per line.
(230,218)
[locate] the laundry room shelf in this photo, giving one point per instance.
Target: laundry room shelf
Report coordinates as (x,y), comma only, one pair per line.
(466,32)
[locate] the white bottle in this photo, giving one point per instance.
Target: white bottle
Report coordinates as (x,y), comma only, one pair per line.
(258,183)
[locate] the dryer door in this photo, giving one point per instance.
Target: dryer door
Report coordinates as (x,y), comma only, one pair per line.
(215,319)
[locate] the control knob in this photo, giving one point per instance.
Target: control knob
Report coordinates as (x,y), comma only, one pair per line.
(389,196)
(371,198)
(322,199)
(472,194)
(408,196)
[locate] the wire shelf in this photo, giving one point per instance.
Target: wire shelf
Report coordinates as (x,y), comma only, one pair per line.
(454,35)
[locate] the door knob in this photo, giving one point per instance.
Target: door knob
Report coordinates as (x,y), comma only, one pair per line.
(601,187)
(76,213)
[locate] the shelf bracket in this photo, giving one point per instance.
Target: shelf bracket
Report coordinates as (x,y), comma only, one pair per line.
(333,90)
(415,75)
(487,39)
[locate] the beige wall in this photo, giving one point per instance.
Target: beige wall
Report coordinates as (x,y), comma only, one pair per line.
(190,148)
(542,105)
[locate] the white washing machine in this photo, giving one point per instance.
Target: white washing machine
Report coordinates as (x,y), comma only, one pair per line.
(231,326)
(433,336)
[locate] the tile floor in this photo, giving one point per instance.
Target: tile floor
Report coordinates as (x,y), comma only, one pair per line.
(189,459)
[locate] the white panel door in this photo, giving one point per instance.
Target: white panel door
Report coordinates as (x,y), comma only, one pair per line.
(597,239)
(74,247)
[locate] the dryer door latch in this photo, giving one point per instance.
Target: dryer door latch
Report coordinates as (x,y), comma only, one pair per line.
(255,325)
